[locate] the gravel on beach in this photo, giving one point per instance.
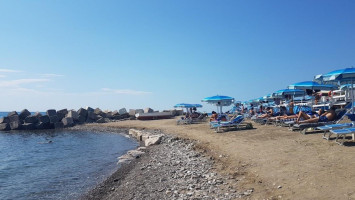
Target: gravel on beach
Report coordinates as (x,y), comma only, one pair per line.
(170,170)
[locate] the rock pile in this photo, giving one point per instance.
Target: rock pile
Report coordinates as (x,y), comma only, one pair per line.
(55,119)
(171,170)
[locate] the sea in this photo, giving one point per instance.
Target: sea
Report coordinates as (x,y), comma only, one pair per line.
(52,164)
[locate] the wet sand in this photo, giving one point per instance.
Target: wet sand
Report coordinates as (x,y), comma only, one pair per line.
(273,162)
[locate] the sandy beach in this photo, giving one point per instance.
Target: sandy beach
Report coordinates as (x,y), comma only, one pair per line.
(273,162)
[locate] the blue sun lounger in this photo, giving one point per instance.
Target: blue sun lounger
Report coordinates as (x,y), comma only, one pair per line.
(341,134)
(329,127)
(234,123)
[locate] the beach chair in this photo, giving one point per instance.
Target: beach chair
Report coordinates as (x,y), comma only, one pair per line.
(341,134)
(223,125)
(327,128)
(184,120)
(310,127)
(201,118)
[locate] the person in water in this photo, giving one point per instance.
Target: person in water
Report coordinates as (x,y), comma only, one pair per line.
(325,117)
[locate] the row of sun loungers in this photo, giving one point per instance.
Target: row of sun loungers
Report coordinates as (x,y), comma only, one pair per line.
(328,128)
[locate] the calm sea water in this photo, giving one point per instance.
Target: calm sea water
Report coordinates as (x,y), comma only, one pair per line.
(67,167)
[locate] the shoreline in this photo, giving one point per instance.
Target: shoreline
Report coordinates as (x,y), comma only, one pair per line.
(173,169)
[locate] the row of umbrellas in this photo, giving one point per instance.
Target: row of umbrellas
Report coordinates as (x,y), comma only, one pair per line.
(335,79)
(217,100)
(329,81)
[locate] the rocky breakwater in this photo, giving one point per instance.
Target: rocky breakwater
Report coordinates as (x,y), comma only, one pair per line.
(56,119)
(147,138)
(172,169)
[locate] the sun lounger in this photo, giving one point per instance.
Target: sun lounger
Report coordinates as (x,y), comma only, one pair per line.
(306,127)
(234,123)
(328,128)
(341,134)
(200,118)
(184,121)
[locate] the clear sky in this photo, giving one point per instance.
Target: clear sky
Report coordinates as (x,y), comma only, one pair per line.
(157,53)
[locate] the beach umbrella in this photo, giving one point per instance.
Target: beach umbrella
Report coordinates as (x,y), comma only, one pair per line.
(346,75)
(267,97)
(311,85)
(187,106)
(219,101)
(341,76)
(288,92)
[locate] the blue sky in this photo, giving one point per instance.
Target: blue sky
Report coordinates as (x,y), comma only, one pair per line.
(137,54)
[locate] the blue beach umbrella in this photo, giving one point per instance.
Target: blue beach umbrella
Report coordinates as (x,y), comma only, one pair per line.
(341,76)
(268,97)
(290,92)
(219,101)
(311,85)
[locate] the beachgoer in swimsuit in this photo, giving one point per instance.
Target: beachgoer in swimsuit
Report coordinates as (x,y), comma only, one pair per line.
(214,116)
(325,117)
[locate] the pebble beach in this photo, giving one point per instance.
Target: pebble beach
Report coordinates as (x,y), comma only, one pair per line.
(266,162)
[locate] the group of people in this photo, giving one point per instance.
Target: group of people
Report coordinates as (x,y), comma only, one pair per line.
(300,117)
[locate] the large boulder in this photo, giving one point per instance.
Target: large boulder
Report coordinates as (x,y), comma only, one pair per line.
(116,115)
(14,118)
(153,140)
(24,113)
(51,112)
(28,126)
(68,121)
(89,109)
(93,116)
(139,111)
(81,119)
(58,125)
(132,112)
(101,120)
(4,120)
(83,112)
(98,111)
(122,111)
(42,125)
(61,113)
(148,110)
(31,119)
(73,114)
(4,127)
(123,116)
(15,125)
(44,119)
(54,119)
(12,113)
(89,120)
(37,114)
(108,114)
